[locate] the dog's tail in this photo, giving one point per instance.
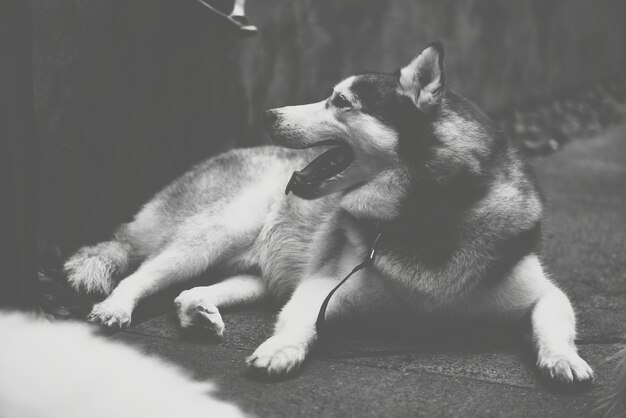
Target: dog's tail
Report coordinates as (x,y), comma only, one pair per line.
(94,269)
(614,405)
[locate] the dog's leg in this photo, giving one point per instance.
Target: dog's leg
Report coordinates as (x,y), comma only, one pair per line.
(203,240)
(95,269)
(179,261)
(554,330)
(552,318)
(198,307)
(174,265)
(295,332)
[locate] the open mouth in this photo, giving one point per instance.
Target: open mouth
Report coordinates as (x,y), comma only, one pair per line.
(306,182)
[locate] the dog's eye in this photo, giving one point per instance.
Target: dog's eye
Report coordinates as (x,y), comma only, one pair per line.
(340,101)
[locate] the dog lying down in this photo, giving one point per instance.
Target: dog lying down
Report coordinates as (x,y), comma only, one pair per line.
(400,155)
(62,370)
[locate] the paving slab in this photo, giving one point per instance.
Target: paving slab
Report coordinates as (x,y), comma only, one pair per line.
(367,376)
(328,388)
(508,361)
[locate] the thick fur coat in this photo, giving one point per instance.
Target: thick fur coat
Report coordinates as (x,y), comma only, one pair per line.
(401,155)
(63,370)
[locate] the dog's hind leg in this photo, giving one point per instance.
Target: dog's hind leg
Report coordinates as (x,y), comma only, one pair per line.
(97,268)
(202,241)
(173,265)
(198,307)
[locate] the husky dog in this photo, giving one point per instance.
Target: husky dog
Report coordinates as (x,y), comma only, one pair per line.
(401,155)
(63,370)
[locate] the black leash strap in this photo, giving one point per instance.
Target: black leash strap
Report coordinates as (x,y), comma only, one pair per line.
(368,261)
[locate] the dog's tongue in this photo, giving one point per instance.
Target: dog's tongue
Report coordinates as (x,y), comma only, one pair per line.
(327,165)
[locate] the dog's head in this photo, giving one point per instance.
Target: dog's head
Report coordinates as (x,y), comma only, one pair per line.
(370,124)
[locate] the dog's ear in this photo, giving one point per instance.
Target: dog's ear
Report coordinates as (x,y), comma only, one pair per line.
(423,79)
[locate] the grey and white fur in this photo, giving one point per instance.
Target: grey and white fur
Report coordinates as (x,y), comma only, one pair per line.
(458,210)
(64,370)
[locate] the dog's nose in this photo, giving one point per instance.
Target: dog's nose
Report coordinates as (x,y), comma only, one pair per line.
(270,117)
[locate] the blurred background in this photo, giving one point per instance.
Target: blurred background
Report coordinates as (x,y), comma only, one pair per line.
(128,94)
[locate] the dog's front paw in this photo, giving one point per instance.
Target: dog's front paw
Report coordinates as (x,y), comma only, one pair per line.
(277,356)
(196,313)
(565,367)
(111,314)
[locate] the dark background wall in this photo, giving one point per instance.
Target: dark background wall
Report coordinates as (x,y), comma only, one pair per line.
(130,93)
(17,147)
